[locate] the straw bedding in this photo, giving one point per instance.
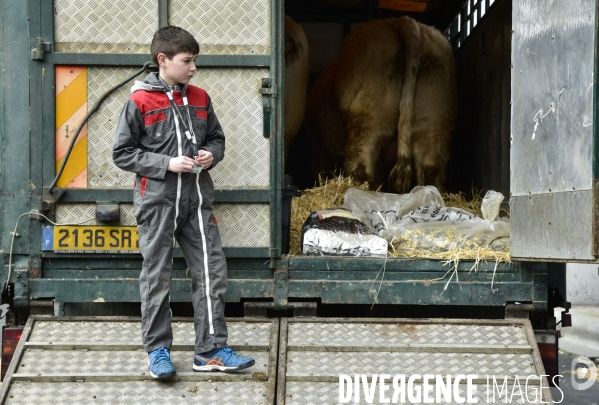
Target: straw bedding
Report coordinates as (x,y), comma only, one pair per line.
(330,193)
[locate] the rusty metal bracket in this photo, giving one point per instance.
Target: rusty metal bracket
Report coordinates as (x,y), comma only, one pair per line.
(281,289)
(49,199)
(41,47)
(518,311)
(304,309)
(256,309)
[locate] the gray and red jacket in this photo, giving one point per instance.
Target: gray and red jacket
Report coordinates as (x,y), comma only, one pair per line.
(146,136)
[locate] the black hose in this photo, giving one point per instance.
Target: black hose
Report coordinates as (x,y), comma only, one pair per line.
(146,66)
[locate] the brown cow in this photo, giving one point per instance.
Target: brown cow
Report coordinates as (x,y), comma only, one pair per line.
(387,100)
(297,69)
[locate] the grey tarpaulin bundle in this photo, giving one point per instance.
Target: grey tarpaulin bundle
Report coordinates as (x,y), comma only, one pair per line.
(338,232)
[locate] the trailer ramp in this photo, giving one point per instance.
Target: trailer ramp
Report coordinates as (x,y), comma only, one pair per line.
(315,352)
(102,361)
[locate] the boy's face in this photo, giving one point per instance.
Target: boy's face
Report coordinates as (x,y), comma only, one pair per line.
(180,69)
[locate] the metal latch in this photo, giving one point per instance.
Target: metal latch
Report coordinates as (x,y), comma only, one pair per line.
(267,90)
(41,47)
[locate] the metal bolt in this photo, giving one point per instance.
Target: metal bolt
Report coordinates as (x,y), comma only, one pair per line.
(538,287)
(23,284)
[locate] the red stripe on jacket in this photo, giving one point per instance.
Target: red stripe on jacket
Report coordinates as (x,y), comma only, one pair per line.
(153,118)
(148,101)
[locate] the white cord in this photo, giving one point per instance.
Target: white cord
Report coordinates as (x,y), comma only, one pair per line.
(383,219)
(14,233)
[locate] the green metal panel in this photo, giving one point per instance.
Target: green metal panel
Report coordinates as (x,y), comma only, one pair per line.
(48,96)
(595,189)
(276,138)
(243,252)
(64,58)
(411,282)
(127,290)
(36,126)
(2,133)
(162,13)
(126,196)
(17,142)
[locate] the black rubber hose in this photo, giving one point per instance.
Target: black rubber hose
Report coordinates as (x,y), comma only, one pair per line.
(146,66)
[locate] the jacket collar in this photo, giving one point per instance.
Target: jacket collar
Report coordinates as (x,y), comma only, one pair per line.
(152,83)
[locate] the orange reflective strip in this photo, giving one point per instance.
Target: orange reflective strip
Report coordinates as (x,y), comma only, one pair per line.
(71,108)
(71,99)
(76,164)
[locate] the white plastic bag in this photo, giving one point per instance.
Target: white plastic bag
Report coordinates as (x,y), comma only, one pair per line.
(444,232)
(419,221)
(382,210)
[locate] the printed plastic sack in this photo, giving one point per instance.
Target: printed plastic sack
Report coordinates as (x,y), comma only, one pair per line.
(383,210)
(419,221)
(436,229)
(338,232)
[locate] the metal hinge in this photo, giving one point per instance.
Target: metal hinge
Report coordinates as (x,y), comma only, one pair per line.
(268,90)
(41,47)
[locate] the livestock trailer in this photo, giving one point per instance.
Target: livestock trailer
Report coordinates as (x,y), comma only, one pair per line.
(527,128)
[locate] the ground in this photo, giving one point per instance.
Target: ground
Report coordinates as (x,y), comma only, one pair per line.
(571,395)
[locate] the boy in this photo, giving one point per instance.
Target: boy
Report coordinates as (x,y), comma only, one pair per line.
(169,137)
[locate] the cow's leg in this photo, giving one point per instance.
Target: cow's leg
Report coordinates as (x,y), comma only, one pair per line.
(365,140)
(431,153)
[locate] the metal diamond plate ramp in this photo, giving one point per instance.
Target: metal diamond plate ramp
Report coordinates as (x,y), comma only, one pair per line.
(101,360)
(314,352)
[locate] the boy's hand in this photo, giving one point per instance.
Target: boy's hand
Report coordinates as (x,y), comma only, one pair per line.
(180,164)
(204,158)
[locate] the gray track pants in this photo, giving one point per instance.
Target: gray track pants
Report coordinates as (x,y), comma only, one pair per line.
(157,203)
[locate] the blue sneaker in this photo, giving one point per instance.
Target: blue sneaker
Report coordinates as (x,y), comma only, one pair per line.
(225,359)
(160,363)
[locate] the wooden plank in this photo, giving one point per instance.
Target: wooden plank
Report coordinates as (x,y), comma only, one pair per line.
(404,5)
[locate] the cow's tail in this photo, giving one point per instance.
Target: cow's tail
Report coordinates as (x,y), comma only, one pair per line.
(401,174)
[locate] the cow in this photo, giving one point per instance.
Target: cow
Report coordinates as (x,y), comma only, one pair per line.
(297,70)
(385,107)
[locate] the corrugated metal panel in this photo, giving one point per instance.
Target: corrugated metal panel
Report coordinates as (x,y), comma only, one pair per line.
(225,27)
(101,360)
(240,225)
(315,352)
(104,26)
(238,106)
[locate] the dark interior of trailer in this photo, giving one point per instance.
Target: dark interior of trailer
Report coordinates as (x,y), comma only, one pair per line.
(480,33)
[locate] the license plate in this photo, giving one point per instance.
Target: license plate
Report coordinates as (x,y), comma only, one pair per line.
(90,239)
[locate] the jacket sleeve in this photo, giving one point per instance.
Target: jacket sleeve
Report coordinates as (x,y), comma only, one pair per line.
(127,153)
(215,137)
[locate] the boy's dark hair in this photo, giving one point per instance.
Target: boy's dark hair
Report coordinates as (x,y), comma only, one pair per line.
(172,40)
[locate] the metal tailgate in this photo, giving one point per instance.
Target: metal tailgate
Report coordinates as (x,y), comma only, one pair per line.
(314,352)
(101,360)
